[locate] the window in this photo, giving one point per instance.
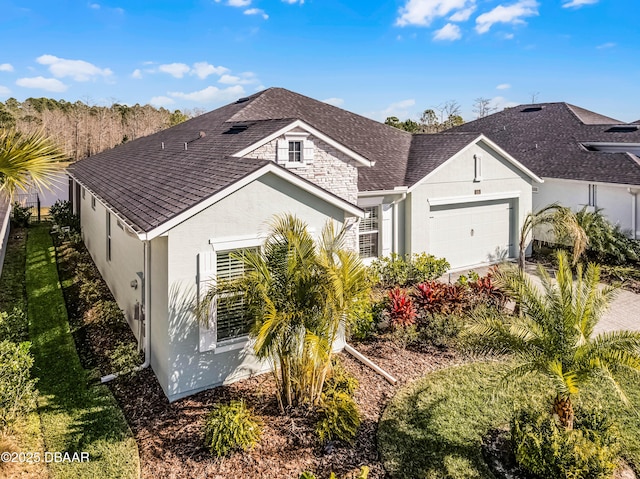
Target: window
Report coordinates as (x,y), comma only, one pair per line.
(93,202)
(108,236)
(368,234)
(295,151)
(477,168)
(232,318)
(593,195)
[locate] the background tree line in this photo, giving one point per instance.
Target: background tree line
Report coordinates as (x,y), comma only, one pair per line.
(81,129)
(442,117)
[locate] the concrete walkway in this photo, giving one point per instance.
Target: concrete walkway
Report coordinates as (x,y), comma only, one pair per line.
(623,312)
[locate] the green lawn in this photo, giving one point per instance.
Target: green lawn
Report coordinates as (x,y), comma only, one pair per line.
(76,416)
(435,426)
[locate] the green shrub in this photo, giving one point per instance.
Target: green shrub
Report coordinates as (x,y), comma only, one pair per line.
(543,447)
(125,357)
(440,329)
(20,214)
(339,418)
(107,312)
(404,336)
(17,389)
(362,318)
(364,474)
(401,270)
(62,215)
(231,427)
(13,325)
(339,380)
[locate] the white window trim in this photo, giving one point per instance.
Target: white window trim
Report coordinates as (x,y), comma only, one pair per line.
(477,168)
(307,150)
(378,207)
(231,344)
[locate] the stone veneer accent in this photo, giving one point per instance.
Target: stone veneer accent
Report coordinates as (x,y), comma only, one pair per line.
(331,169)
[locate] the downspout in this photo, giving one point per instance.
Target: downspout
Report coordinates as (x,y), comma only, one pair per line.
(634,206)
(147,316)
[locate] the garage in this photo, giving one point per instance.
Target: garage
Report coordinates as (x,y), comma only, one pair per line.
(470,234)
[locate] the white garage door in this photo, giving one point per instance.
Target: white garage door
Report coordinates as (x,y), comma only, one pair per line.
(471,234)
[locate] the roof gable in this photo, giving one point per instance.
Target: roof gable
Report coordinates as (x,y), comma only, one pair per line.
(548,138)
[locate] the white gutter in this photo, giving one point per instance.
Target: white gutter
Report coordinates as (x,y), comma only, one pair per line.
(147,317)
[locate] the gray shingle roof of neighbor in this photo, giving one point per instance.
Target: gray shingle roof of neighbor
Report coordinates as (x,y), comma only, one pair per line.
(550,138)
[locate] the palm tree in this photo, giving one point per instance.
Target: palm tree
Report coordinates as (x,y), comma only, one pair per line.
(553,336)
(563,223)
(299,291)
(26,160)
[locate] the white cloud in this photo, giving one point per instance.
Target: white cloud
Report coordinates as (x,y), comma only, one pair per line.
(503,86)
(137,74)
(256,11)
(245,78)
(463,15)
(4,91)
(398,108)
(512,14)
(161,101)
(604,46)
(95,6)
(49,84)
(238,3)
(78,70)
(177,70)
(448,32)
(211,94)
(6,67)
(509,36)
(291,2)
(334,101)
(422,12)
(500,103)
(203,69)
(579,3)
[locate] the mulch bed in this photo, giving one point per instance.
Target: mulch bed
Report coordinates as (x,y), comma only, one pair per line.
(169,434)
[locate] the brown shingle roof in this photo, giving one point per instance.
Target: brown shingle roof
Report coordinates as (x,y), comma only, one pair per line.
(548,138)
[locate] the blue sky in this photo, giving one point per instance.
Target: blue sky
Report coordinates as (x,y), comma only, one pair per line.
(378,59)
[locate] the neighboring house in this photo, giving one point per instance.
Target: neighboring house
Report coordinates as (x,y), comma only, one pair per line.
(5,216)
(585,159)
(161,215)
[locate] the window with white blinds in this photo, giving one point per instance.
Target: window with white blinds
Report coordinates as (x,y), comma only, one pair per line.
(232,320)
(368,234)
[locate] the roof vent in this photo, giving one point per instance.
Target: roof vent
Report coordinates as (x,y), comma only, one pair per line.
(530,109)
(235,129)
(202,134)
(242,100)
(623,128)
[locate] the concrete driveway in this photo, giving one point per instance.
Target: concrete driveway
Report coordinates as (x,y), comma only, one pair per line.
(623,312)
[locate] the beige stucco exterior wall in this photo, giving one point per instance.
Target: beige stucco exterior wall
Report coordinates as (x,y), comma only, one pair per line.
(127,256)
(241,215)
(456,179)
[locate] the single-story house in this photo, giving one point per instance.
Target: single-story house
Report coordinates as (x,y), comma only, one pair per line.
(160,215)
(585,159)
